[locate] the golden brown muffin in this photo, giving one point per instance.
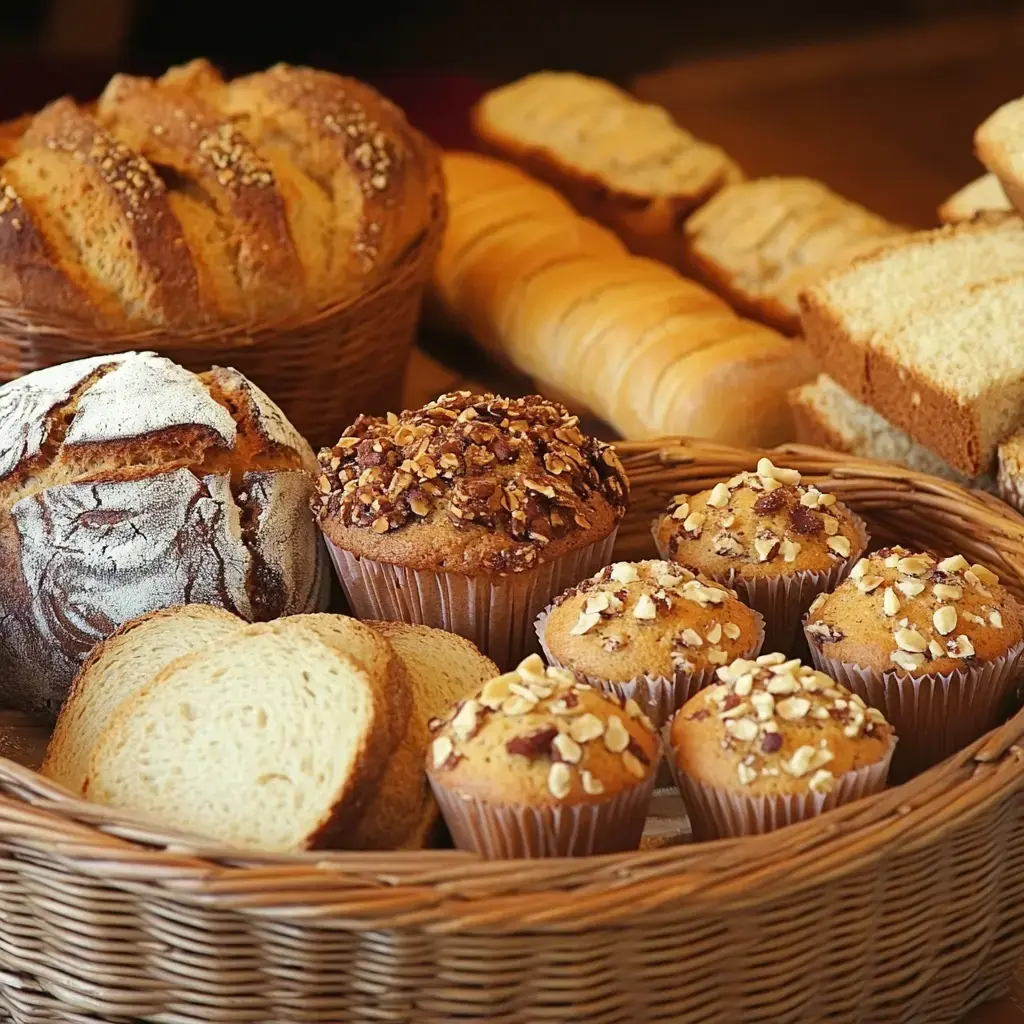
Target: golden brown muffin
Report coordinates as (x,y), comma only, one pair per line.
(915,613)
(775,727)
(470,484)
(757,525)
(651,617)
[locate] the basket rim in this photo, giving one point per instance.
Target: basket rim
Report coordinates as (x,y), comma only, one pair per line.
(444,890)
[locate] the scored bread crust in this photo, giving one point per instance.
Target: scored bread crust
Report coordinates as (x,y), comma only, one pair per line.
(126,486)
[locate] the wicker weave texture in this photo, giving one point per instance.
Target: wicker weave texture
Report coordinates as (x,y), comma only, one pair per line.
(322,371)
(907,906)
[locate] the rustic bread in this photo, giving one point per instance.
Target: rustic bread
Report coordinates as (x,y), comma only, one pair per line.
(272,740)
(999,143)
(546,289)
(625,163)
(118,667)
(129,484)
(926,332)
(826,415)
(187,201)
(442,668)
(759,243)
(983,196)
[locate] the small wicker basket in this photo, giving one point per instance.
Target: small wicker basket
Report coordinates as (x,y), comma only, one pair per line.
(323,370)
(906,906)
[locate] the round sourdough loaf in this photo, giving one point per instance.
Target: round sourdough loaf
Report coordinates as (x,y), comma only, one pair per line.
(128,484)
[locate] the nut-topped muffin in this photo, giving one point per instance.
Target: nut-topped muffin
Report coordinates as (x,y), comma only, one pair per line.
(777,541)
(933,642)
(537,764)
(653,631)
(772,743)
(469,514)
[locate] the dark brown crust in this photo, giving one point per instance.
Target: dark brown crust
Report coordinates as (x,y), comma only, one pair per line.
(156,234)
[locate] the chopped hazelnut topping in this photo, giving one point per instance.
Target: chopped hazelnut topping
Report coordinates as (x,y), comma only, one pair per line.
(731,630)
(907,660)
(910,640)
(856,572)
(691,638)
(694,523)
(789,549)
(890,602)
(716,656)
(822,781)
(995,619)
(441,749)
(944,619)
(559,780)
(719,496)
(793,708)
(623,572)
(947,592)
(591,786)
(681,511)
(987,576)
(955,563)
(714,634)
(913,565)
(616,736)
(745,774)
(910,588)
(567,748)
(633,765)
(961,647)
(586,727)
(585,623)
(645,608)
(840,545)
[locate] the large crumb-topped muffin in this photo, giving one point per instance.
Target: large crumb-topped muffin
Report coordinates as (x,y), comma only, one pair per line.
(758,524)
(773,726)
(652,617)
(908,611)
(470,483)
(537,736)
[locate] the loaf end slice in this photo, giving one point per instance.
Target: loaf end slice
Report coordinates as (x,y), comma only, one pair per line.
(118,667)
(264,742)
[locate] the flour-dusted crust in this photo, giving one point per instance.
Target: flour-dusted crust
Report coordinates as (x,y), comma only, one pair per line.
(145,395)
(131,485)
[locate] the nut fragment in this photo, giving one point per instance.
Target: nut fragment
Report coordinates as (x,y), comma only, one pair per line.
(987,576)
(906,660)
(716,656)
(995,619)
(840,545)
(913,565)
(910,640)
(623,572)
(890,602)
(732,631)
(591,786)
(944,619)
(822,781)
(800,763)
(743,729)
(714,634)
(765,468)
(789,550)
(764,705)
(496,692)
(559,780)
(910,587)
(765,548)
(719,496)
(567,748)
(955,563)
(961,647)
(691,638)
(868,583)
(947,592)
(792,709)
(645,608)
(681,511)
(694,523)
(441,749)
(633,765)
(464,724)
(585,623)
(616,735)
(586,727)
(745,774)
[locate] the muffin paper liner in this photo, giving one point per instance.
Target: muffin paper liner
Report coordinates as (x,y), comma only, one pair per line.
(659,697)
(494,612)
(783,600)
(717,813)
(934,715)
(511,831)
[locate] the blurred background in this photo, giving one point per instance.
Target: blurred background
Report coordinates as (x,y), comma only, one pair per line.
(877,97)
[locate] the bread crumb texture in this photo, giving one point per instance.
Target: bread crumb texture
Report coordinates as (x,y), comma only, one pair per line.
(774,726)
(470,483)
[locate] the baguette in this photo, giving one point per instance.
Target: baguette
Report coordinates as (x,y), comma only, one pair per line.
(981,197)
(624,163)
(759,243)
(552,293)
(927,332)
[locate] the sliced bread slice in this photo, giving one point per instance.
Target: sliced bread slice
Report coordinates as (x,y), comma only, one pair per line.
(926,331)
(265,741)
(983,196)
(117,668)
(443,668)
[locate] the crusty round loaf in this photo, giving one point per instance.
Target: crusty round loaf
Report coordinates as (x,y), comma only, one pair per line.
(129,484)
(189,201)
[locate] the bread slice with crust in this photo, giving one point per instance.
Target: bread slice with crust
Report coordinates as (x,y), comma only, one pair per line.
(120,666)
(272,740)
(442,669)
(926,331)
(982,197)
(999,143)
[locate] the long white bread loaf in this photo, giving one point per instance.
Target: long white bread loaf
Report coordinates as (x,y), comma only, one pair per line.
(442,668)
(928,331)
(272,740)
(118,667)
(625,163)
(629,338)
(759,243)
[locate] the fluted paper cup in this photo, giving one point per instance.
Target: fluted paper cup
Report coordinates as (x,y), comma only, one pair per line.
(659,697)
(934,715)
(719,813)
(513,831)
(784,600)
(496,613)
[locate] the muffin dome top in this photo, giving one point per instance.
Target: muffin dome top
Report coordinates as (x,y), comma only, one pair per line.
(759,524)
(773,726)
(650,617)
(470,483)
(536,736)
(910,612)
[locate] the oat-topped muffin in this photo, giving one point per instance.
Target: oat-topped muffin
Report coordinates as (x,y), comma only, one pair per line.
(537,764)
(777,541)
(469,514)
(933,642)
(772,743)
(650,630)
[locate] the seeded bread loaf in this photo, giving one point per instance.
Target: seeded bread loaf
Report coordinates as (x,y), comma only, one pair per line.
(983,196)
(625,163)
(552,292)
(186,200)
(128,484)
(272,740)
(759,243)
(926,331)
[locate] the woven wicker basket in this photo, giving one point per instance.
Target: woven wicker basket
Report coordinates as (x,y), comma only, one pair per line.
(324,370)
(907,906)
